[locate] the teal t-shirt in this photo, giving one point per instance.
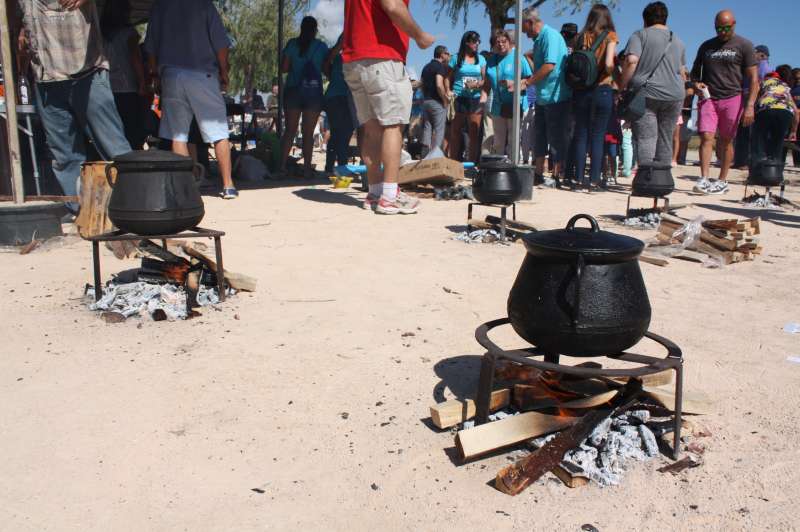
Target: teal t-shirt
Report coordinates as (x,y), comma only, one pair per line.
(466,70)
(503,66)
(336,84)
(316,53)
(550,47)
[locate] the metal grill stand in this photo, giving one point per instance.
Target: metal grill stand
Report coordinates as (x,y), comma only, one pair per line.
(648,366)
(195,232)
(500,206)
(663,209)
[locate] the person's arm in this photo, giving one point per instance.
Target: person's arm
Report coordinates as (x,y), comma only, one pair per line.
(222,59)
(135,57)
(697,70)
(542,73)
(398,13)
(628,70)
(749,114)
(610,57)
(332,53)
(441,90)
(71,5)
(795,120)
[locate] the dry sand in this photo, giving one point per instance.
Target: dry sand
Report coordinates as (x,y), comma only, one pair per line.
(308,390)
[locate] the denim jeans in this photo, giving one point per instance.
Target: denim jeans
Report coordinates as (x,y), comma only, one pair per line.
(592,110)
(342,124)
(72,109)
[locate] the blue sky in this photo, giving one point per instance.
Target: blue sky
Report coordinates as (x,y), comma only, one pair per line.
(770,22)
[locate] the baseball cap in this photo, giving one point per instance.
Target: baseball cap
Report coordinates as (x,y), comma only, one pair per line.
(763,49)
(569,27)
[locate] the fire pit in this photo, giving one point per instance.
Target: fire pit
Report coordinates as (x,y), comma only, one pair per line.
(646,365)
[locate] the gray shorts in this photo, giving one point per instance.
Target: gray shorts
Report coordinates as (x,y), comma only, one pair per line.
(381,90)
(550,129)
(186,94)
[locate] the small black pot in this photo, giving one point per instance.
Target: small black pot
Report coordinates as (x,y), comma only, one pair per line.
(496,182)
(766,173)
(580,291)
(653,180)
(155,193)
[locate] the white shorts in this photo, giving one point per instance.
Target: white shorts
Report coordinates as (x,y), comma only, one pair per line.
(381,90)
(186,94)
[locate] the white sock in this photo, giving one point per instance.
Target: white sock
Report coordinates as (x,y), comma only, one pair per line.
(390,191)
(375,190)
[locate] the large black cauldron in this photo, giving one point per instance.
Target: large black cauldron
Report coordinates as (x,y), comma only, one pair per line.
(155,193)
(580,292)
(653,180)
(766,173)
(497,182)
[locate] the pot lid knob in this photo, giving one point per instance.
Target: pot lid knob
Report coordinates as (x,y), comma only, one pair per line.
(592,221)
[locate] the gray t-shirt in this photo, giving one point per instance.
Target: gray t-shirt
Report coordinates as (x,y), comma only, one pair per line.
(648,45)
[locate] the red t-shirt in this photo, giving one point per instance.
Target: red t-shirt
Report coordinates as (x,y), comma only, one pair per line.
(370,34)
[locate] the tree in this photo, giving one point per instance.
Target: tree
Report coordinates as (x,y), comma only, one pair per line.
(497,10)
(253,27)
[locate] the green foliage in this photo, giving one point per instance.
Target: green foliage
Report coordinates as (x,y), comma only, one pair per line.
(498,10)
(253,27)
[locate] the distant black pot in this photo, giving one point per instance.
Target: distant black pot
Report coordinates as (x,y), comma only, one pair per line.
(580,291)
(653,180)
(155,193)
(766,173)
(496,182)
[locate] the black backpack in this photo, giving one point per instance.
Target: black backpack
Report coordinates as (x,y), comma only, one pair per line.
(580,68)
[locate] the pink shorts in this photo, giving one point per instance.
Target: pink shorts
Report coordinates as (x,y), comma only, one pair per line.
(720,115)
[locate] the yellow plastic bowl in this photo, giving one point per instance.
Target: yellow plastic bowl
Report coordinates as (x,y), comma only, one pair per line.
(342,182)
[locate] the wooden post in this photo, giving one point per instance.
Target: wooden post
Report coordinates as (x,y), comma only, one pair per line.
(17,186)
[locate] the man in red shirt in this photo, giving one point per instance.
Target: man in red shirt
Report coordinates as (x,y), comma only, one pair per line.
(375,44)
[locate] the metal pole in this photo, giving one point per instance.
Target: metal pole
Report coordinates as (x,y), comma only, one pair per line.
(515,120)
(279,124)
(17,185)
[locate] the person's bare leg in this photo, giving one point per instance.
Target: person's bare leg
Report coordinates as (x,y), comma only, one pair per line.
(180,148)
(391,146)
(192,151)
(292,121)
(310,118)
(222,149)
(726,150)
(539,165)
(676,144)
(706,147)
(371,147)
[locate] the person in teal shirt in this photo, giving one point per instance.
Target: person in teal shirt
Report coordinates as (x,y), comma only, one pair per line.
(339,108)
(500,78)
(467,75)
(297,55)
(552,92)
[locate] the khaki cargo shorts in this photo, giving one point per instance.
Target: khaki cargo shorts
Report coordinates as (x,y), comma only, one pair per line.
(381,90)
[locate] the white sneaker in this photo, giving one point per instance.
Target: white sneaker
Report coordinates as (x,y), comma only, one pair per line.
(718,187)
(702,186)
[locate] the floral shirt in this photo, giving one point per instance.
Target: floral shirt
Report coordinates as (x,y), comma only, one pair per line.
(774,94)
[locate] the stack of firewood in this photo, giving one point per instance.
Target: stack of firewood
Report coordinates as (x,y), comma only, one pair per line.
(728,240)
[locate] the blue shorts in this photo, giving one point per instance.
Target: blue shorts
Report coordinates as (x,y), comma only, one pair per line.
(186,94)
(294,102)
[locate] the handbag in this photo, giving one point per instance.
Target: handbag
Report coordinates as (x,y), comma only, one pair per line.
(632,103)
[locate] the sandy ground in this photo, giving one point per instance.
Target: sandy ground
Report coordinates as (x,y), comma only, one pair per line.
(170,426)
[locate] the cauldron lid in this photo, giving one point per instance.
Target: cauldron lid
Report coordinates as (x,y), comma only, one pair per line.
(588,241)
(504,165)
(155,159)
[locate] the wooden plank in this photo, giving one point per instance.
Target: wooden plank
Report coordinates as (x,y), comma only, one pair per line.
(507,431)
(650,259)
(95,192)
(455,411)
(526,398)
(239,281)
(723,244)
(661,378)
(571,475)
(692,256)
(516,224)
(694,403)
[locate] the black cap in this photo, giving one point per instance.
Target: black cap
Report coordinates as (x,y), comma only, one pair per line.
(569,27)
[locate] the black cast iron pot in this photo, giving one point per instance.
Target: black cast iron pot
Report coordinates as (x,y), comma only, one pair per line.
(766,173)
(580,291)
(497,182)
(653,180)
(155,193)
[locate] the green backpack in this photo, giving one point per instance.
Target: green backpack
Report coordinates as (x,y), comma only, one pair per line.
(580,68)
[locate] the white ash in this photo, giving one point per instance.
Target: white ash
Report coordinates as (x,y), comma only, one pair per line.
(140,298)
(646,221)
(762,202)
(485,236)
(612,447)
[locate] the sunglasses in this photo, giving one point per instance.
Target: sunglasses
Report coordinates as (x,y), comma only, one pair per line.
(724,29)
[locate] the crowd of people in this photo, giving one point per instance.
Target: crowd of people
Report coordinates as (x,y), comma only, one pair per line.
(584,99)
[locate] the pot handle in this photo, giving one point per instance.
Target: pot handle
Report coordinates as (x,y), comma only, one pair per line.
(571,222)
(201,172)
(579,265)
(108,174)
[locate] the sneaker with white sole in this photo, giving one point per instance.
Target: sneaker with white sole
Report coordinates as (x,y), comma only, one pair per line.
(397,206)
(407,201)
(718,187)
(370,202)
(702,185)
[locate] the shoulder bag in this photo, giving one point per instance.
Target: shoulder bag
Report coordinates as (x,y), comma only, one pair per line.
(632,103)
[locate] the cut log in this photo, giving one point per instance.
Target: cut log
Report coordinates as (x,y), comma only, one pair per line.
(650,259)
(505,370)
(694,403)
(516,224)
(571,475)
(526,398)
(238,281)
(692,256)
(151,248)
(95,192)
(507,431)
(455,411)
(513,479)
(656,379)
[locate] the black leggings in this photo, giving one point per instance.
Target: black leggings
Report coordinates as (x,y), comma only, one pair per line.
(769,130)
